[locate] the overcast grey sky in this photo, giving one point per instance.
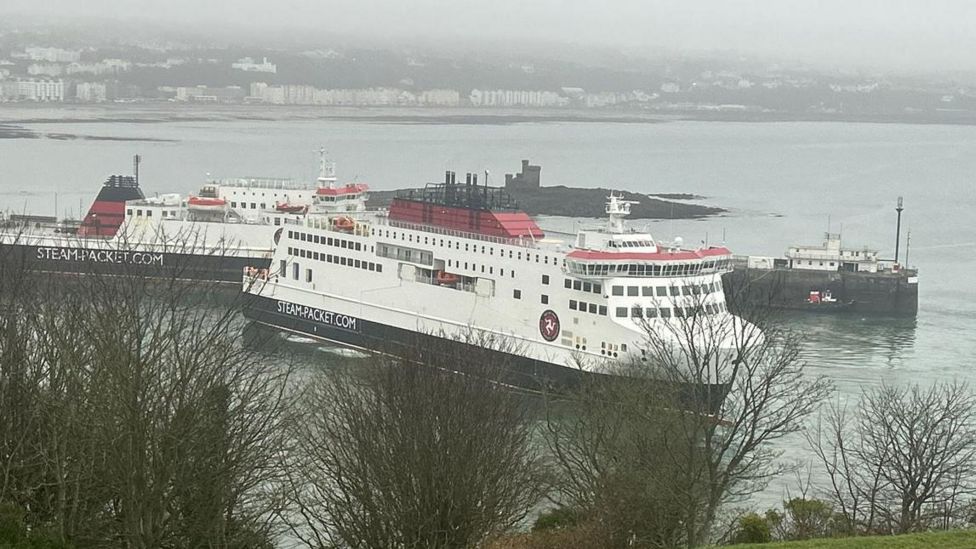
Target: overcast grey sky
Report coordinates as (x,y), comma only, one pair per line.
(912,34)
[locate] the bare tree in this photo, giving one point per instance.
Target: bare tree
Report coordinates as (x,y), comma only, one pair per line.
(143,419)
(717,392)
(403,453)
(903,460)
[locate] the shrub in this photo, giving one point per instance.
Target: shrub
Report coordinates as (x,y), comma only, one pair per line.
(752,529)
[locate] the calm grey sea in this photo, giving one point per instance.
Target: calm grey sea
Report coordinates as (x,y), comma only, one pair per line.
(781,182)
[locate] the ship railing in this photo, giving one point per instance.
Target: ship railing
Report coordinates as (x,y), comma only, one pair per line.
(525,242)
(262,183)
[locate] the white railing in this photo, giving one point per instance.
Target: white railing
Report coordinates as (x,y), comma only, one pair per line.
(262,183)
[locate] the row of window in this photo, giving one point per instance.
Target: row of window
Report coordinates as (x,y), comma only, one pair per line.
(328,241)
(582,286)
(586,268)
(664,291)
(668,312)
(254,205)
(584,307)
(339,260)
(468,247)
(149,213)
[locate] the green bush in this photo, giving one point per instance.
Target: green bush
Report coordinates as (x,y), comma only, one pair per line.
(560,517)
(752,529)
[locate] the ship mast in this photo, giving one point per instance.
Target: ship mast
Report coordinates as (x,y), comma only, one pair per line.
(327,176)
(617,210)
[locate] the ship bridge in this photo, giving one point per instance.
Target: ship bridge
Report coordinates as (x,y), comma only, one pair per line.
(612,251)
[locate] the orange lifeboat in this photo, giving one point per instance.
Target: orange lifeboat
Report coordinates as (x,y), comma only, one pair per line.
(285,207)
(205,203)
(445,278)
(344,223)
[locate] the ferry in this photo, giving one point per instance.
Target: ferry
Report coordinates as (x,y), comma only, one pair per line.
(207,236)
(459,262)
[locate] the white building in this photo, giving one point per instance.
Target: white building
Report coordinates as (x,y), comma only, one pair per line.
(830,256)
(45,69)
(105,66)
(33,90)
(440,98)
(248,64)
(52,55)
(93,92)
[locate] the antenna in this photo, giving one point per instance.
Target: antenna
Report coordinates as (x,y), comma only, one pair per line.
(898,209)
(136,160)
(908,244)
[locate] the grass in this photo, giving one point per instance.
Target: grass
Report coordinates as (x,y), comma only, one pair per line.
(957,539)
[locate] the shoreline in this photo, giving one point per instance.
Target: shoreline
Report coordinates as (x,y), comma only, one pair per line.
(18,114)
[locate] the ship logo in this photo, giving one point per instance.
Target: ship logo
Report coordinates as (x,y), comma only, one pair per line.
(549,325)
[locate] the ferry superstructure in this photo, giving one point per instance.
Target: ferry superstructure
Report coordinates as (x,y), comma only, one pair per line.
(210,235)
(461,263)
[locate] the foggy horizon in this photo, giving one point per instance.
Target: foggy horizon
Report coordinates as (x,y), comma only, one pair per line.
(873,34)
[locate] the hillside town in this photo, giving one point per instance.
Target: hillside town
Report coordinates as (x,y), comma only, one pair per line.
(44,72)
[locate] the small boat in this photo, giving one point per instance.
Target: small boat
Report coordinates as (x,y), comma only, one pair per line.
(285,207)
(445,278)
(344,223)
(824,301)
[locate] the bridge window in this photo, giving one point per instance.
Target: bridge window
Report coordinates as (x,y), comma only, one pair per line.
(545,299)
(577,285)
(572,304)
(568,283)
(618,290)
(592,308)
(621,312)
(647,291)
(632,291)
(603,310)
(517,294)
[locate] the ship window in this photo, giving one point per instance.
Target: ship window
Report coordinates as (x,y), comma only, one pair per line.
(149,214)
(593,308)
(294,270)
(618,290)
(603,310)
(342,243)
(379,268)
(587,287)
(282,267)
(502,271)
(662,291)
(138,213)
(308,275)
(568,283)
(572,304)
(536,258)
(253,206)
(233,204)
(465,247)
(520,256)
(264,206)
(647,291)
(545,279)
(621,312)
(359,247)
(637,312)
(665,312)
(545,299)
(328,258)
(482,268)
(491,270)
(674,291)
(491,251)
(517,294)
(650,312)
(513,274)
(679,312)
(357,264)
(597,289)
(128,212)
(632,291)
(582,306)
(277,221)
(482,249)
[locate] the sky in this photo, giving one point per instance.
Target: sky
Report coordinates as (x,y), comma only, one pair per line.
(893,34)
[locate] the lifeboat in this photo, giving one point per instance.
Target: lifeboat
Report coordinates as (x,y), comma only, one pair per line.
(445,278)
(344,223)
(206,204)
(285,207)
